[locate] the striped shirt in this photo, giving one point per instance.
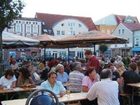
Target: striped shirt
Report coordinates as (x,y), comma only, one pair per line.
(75,80)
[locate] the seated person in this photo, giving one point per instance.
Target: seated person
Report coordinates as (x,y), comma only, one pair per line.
(53,85)
(8,80)
(130,76)
(24,78)
(61,74)
(76,77)
(90,79)
(106,91)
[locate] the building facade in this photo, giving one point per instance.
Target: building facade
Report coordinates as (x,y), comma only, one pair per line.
(119,25)
(28,27)
(131,32)
(59,25)
(56,25)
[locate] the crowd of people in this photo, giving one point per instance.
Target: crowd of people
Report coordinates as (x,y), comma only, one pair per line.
(102,81)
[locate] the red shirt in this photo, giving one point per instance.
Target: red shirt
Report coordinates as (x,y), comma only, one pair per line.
(93,62)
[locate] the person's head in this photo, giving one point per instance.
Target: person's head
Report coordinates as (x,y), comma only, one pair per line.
(112,60)
(88,54)
(76,66)
(91,73)
(110,65)
(52,77)
(119,65)
(106,73)
(138,65)
(9,74)
(60,68)
(133,66)
(24,73)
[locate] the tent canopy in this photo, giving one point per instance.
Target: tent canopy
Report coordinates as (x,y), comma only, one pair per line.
(49,41)
(89,39)
(81,40)
(11,40)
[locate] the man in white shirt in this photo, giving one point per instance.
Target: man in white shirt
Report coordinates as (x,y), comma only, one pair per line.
(106,91)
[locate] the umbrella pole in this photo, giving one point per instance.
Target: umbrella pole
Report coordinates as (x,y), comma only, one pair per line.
(44,53)
(94,49)
(1,54)
(68,54)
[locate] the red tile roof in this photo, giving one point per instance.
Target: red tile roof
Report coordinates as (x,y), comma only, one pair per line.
(120,18)
(132,26)
(52,19)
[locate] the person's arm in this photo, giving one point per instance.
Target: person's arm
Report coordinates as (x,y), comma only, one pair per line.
(62,90)
(31,81)
(85,84)
(13,84)
(91,95)
(85,89)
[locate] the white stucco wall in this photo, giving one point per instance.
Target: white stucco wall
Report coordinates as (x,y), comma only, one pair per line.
(69,27)
(127,34)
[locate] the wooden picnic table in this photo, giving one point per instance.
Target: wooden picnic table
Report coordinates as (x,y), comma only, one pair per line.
(66,98)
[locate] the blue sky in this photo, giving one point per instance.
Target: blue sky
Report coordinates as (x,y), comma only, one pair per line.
(96,9)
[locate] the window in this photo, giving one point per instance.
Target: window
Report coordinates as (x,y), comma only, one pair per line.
(62,24)
(58,32)
(80,25)
(28,29)
(35,29)
(63,32)
(48,53)
(18,28)
(137,42)
(119,31)
(62,54)
(80,54)
(122,31)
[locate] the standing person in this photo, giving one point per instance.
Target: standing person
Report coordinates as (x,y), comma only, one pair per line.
(106,91)
(93,62)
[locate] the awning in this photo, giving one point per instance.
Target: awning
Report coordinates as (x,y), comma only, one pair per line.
(136,49)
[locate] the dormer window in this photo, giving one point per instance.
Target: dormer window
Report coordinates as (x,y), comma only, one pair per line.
(129,19)
(80,25)
(62,24)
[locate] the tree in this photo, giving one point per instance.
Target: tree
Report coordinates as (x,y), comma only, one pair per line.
(103,48)
(9,10)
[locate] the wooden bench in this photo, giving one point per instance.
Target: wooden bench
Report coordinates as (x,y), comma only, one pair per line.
(126,98)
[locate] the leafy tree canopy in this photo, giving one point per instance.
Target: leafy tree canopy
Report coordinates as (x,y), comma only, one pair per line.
(103,48)
(9,10)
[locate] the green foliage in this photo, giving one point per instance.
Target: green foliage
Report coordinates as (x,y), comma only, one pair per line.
(9,10)
(103,48)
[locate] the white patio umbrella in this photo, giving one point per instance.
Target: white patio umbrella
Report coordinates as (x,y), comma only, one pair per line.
(11,40)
